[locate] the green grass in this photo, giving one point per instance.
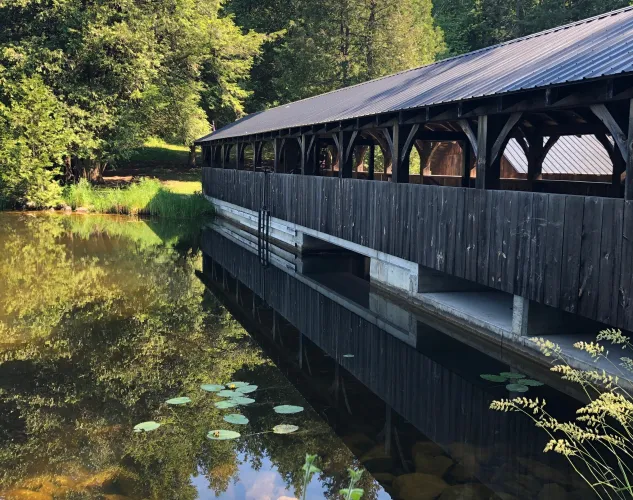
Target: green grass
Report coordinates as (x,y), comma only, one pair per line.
(157,150)
(147,197)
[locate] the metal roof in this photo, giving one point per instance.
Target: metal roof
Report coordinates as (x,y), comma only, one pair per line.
(595,47)
(574,155)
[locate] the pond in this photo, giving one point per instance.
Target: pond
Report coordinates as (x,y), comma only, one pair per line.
(107,323)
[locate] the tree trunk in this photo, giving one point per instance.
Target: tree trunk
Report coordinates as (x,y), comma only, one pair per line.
(192,156)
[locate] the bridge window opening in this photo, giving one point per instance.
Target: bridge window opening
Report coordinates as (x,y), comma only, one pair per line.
(248,158)
(268,156)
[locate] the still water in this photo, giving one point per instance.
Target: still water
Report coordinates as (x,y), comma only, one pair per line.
(104,319)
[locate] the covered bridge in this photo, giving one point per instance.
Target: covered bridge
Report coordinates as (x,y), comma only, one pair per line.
(565,241)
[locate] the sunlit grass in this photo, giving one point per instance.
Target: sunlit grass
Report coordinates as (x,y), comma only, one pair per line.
(147,197)
(157,150)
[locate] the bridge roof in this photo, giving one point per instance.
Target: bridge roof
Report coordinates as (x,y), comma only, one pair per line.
(592,48)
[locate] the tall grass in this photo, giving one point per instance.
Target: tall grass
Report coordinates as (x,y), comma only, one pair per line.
(147,197)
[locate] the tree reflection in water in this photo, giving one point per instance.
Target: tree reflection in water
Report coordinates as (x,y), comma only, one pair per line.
(101,320)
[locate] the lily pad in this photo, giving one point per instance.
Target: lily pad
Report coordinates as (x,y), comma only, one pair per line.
(236,418)
(517,387)
(178,401)
(512,375)
(493,378)
(247,389)
(286,409)
(235,385)
(530,382)
(222,435)
(285,429)
(348,355)
(146,426)
(226,393)
(223,405)
(241,400)
(211,387)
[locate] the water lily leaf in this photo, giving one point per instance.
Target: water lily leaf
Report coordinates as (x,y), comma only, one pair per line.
(356,494)
(235,385)
(226,393)
(222,435)
(517,387)
(493,378)
(211,387)
(285,409)
(241,400)
(178,401)
(530,382)
(348,355)
(247,389)
(146,426)
(285,429)
(223,405)
(236,418)
(512,375)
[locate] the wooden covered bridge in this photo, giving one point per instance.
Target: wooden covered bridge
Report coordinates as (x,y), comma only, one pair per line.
(564,241)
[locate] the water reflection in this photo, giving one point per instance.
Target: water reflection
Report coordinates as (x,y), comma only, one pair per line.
(101,321)
(406,398)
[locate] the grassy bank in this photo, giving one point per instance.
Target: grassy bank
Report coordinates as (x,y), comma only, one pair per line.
(146,197)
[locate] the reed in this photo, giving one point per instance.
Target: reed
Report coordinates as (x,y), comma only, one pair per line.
(147,197)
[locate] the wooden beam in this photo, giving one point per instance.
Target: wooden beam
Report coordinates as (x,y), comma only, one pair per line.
(502,138)
(465,126)
(277,147)
(401,142)
(605,116)
(372,161)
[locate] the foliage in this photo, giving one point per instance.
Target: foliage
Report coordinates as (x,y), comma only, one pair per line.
(598,443)
(147,197)
(352,493)
(309,470)
(82,84)
(474,24)
(323,46)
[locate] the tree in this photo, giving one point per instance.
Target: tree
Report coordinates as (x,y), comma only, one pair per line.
(323,46)
(116,72)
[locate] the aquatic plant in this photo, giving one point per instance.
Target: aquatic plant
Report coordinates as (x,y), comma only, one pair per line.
(222,435)
(285,429)
(236,418)
(178,401)
(309,470)
(247,389)
(146,426)
(287,409)
(598,443)
(147,197)
(212,387)
(223,405)
(517,381)
(351,493)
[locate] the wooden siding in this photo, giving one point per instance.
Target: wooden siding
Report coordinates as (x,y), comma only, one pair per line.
(566,251)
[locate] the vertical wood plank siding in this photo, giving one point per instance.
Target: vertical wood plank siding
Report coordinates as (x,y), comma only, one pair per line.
(566,251)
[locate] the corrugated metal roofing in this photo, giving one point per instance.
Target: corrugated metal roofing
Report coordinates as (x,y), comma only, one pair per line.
(571,154)
(595,47)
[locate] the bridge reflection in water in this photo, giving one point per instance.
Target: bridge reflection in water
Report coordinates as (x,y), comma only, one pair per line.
(409,402)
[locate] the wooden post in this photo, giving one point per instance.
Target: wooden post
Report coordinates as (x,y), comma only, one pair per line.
(308,154)
(277,147)
(372,162)
(345,147)
(258,147)
(465,145)
(239,155)
(628,181)
(535,159)
(402,138)
(223,152)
